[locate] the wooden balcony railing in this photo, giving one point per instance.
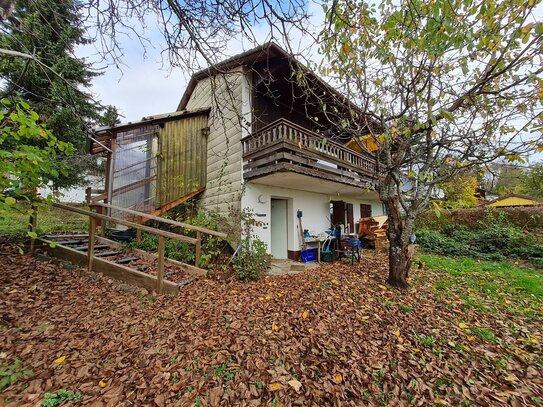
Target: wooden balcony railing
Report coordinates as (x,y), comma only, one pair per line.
(286,143)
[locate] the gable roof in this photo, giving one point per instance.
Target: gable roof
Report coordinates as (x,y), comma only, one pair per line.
(515,200)
(265,52)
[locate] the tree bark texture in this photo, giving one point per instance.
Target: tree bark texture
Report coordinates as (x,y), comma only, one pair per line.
(401,251)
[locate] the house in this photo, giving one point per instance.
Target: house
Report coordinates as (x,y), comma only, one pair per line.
(514,200)
(249,133)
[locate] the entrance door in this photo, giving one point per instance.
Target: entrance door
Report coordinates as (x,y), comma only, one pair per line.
(279,231)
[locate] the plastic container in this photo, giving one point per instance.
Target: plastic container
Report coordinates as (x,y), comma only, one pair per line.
(308,255)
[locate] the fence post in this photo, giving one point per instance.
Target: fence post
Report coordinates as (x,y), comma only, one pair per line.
(160,271)
(198,248)
(33,225)
(92,236)
(138,236)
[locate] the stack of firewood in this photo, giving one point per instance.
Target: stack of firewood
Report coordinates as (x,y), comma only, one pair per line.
(372,232)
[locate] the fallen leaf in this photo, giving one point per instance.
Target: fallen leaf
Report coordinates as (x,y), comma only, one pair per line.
(102,384)
(309,330)
(188,314)
(275,386)
(275,327)
(59,360)
(463,325)
(305,315)
(295,384)
(335,282)
(396,333)
(339,378)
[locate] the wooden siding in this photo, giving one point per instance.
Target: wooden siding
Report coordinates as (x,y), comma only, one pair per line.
(223,95)
(182,158)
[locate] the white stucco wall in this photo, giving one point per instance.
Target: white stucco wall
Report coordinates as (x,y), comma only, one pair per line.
(315,208)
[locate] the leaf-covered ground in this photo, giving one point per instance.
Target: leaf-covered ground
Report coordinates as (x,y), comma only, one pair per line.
(334,335)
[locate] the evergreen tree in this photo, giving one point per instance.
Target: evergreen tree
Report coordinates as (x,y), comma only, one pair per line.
(54,88)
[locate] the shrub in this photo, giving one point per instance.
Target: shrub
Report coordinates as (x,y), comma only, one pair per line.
(251,260)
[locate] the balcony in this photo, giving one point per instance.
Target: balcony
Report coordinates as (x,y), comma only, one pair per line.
(283,146)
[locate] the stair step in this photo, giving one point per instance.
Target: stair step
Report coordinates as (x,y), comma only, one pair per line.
(126,260)
(107,254)
(70,242)
(96,247)
(69,236)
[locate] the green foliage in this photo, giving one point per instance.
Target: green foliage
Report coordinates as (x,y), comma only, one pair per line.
(59,397)
(51,31)
(492,238)
(532,181)
(29,153)
(10,373)
(460,191)
(251,261)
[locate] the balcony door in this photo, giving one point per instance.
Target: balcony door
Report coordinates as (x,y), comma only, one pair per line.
(279,228)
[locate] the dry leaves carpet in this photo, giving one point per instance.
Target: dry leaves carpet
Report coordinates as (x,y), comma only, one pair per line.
(329,336)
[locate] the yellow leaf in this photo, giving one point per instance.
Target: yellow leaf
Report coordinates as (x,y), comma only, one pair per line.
(440,402)
(471,338)
(382,287)
(396,333)
(188,314)
(275,327)
(305,315)
(275,386)
(102,384)
(280,294)
(234,291)
(463,325)
(339,378)
(309,330)
(261,298)
(466,348)
(335,282)
(359,333)
(268,297)
(59,360)
(316,118)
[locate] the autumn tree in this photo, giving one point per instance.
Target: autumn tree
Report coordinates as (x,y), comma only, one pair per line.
(532,181)
(444,84)
(460,190)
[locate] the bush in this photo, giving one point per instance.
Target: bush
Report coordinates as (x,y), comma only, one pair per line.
(491,238)
(251,260)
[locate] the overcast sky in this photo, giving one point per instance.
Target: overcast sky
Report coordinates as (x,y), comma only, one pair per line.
(145,85)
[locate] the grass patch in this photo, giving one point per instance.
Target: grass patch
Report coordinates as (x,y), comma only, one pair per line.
(486,334)
(482,275)
(15,223)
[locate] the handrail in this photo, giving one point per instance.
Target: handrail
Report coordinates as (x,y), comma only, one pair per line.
(308,132)
(163,220)
(143,228)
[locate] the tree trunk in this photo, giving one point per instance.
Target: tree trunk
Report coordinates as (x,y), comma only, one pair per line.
(401,251)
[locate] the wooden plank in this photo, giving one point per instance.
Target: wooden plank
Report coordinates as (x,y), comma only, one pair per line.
(160,270)
(108,268)
(92,236)
(168,221)
(136,226)
(286,167)
(198,248)
(151,257)
(175,203)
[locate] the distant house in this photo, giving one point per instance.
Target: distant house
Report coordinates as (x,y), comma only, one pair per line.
(248,136)
(513,200)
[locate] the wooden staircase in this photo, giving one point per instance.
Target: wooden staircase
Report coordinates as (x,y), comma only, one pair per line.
(152,271)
